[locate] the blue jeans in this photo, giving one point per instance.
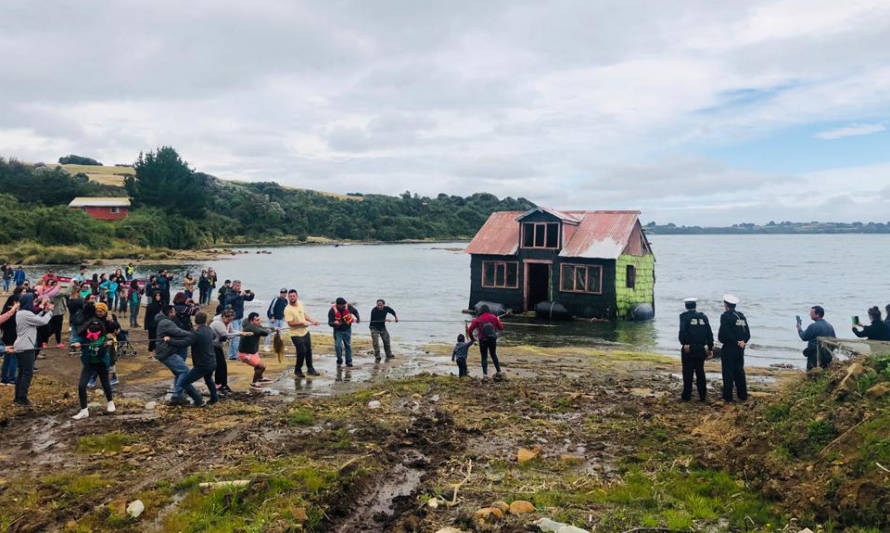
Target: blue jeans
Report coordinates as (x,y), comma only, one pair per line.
(185,381)
(273,323)
(7,373)
(6,282)
(234,342)
(343,341)
(177,365)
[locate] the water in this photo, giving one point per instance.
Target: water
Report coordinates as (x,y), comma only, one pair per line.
(776,276)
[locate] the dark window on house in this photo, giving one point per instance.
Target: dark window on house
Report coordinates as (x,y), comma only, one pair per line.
(630,277)
(552,235)
(581,278)
(528,235)
(115,209)
(500,274)
(540,235)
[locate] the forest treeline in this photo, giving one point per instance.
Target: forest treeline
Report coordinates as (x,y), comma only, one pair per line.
(175,206)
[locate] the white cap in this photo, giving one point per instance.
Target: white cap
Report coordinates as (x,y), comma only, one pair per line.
(690,300)
(731,299)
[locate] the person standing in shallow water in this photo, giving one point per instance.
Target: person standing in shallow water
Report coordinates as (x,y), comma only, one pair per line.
(697,343)
(734,334)
(340,318)
(378,328)
(298,320)
(488,325)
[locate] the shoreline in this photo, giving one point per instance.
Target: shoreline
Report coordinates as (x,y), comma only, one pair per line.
(38,254)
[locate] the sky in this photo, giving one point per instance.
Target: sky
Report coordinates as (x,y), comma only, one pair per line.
(694,112)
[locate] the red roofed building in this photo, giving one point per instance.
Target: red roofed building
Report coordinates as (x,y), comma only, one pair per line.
(592,264)
(102,208)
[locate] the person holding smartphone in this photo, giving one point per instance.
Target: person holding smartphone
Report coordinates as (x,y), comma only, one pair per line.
(819,328)
(876,331)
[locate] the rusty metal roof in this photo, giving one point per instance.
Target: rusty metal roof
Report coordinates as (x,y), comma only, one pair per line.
(498,236)
(598,235)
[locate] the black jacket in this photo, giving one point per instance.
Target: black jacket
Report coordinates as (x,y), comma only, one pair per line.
(876,331)
(203,356)
(151,312)
(695,331)
(733,328)
(8,327)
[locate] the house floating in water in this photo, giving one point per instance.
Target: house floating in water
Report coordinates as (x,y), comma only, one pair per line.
(102,208)
(590,264)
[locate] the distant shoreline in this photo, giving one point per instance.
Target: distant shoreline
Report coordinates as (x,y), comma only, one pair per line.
(38,254)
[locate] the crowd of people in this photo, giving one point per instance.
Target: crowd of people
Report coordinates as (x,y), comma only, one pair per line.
(174,324)
(697,344)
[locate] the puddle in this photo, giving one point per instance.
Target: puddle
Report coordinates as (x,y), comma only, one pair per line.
(381,502)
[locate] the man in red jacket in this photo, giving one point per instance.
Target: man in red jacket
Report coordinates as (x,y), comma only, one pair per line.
(488,325)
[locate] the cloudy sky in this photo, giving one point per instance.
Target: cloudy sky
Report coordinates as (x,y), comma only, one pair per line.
(695,112)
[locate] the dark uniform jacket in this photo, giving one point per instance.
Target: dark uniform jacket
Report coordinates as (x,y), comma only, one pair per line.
(733,328)
(695,330)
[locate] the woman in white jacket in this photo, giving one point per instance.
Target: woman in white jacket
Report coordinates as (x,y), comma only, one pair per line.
(26,324)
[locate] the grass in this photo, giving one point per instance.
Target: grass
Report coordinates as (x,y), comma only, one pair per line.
(279,490)
(106,175)
(74,486)
(300,417)
(32,253)
(109,442)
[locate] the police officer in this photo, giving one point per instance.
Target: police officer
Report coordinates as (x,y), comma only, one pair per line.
(697,341)
(734,335)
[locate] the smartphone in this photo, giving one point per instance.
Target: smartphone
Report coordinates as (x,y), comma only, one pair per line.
(799,321)
(856,320)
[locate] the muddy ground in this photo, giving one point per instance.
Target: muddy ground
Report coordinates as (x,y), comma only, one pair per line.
(399,446)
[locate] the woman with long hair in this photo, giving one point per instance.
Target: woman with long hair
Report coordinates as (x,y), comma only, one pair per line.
(155,306)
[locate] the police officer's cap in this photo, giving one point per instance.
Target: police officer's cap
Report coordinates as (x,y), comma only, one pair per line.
(731,299)
(690,300)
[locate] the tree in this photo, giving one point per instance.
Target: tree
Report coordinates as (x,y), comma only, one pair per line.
(164,180)
(72,159)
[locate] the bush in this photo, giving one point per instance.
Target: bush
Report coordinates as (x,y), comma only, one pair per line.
(78,160)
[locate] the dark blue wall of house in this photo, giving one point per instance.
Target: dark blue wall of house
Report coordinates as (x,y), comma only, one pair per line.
(579,304)
(511,298)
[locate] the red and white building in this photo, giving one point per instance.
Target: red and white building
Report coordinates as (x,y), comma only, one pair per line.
(102,208)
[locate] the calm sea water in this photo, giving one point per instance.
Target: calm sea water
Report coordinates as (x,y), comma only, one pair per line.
(776,276)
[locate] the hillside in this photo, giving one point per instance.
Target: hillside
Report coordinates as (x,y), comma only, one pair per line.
(104,175)
(178,208)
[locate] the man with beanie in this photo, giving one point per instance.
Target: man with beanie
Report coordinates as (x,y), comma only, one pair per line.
(340,318)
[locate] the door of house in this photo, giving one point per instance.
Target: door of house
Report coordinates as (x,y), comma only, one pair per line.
(537,283)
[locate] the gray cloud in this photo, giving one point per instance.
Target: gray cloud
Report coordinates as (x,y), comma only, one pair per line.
(571,104)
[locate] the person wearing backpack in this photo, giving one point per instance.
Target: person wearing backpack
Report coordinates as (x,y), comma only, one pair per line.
(275,314)
(488,326)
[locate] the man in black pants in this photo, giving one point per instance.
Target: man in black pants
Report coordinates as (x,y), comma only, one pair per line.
(734,334)
(378,329)
(298,320)
(222,331)
(488,325)
(203,362)
(697,341)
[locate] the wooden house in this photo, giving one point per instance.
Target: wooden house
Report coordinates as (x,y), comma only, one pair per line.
(102,208)
(596,264)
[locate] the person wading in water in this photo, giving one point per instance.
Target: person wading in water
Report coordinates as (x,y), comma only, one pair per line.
(488,326)
(378,328)
(298,320)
